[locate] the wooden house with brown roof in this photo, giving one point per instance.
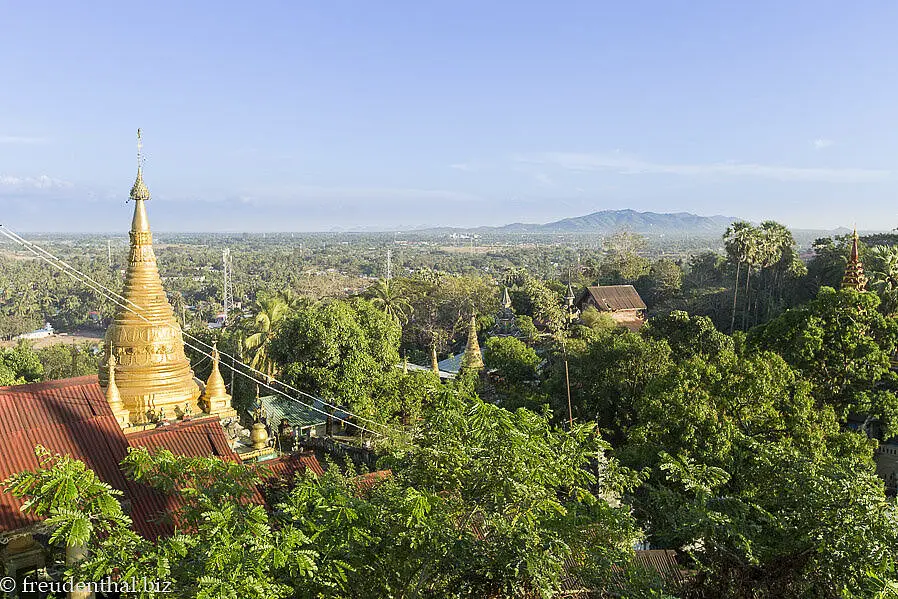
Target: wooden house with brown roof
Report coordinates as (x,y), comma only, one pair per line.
(621,301)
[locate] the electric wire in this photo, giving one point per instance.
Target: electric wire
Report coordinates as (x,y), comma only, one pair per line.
(111,295)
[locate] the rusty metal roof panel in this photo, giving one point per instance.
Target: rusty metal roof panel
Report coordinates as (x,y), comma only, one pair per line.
(615,298)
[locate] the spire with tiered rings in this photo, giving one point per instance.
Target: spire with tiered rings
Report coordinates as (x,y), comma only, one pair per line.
(153,374)
(854,270)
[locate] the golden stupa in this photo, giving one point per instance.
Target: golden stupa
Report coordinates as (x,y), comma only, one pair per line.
(473,357)
(152,373)
(854,270)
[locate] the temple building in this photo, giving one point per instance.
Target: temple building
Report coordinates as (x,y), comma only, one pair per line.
(854,270)
(146,395)
(621,301)
(505,319)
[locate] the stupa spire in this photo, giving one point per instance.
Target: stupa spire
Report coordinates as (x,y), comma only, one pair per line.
(473,358)
(434,363)
(216,399)
(152,371)
(854,270)
(113,397)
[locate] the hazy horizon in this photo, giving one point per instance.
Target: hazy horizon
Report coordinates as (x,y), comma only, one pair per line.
(344,116)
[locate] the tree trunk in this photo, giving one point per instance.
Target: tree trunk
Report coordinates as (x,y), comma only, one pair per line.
(747,308)
(735,295)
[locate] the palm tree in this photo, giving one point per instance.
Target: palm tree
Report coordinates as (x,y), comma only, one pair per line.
(884,263)
(386,296)
(736,241)
(271,312)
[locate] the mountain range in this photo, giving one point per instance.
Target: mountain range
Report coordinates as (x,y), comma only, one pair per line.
(609,221)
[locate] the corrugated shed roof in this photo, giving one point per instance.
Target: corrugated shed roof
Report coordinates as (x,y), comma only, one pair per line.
(71,417)
(298,414)
(288,466)
(615,297)
(452,364)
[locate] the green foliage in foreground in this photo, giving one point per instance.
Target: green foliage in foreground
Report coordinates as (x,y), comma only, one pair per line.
(488,503)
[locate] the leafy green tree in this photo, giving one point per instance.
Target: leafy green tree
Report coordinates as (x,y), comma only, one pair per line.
(19,365)
(688,335)
(609,371)
(662,283)
(515,361)
(704,269)
(597,321)
(757,482)
(62,360)
(843,345)
(341,351)
(528,498)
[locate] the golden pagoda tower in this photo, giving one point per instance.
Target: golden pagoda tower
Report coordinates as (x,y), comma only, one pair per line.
(216,399)
(473,358)
(854,271)
(152,373)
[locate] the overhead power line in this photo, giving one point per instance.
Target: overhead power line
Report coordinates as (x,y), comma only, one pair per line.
(120,300)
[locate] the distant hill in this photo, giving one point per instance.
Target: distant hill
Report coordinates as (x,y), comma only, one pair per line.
(609,221)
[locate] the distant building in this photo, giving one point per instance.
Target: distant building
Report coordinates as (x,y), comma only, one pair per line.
(621,301)
(46,331)
(506,325)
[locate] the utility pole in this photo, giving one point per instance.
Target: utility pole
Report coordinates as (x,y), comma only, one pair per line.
(567,375)
(109,252)
(227,290)
(567,380)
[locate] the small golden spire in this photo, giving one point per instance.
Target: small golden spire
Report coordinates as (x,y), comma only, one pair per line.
(473,358)
(434,363)
(113,397)
(216,399)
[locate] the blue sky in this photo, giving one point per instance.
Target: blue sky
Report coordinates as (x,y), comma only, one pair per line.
(321,115)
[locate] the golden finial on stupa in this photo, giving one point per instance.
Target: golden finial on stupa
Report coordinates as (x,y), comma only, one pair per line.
(139,190)
(152,370)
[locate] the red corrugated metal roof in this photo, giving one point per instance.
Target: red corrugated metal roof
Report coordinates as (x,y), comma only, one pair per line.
(71,416)
(288,466)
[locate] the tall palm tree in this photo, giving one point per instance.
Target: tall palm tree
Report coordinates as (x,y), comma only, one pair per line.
(736,241)
(389,298)
(271,311)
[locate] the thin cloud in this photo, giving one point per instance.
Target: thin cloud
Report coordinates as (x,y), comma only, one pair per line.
(310,195)
(463,166)
(41,182)
(19,139)
(624,164)
(823,143)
